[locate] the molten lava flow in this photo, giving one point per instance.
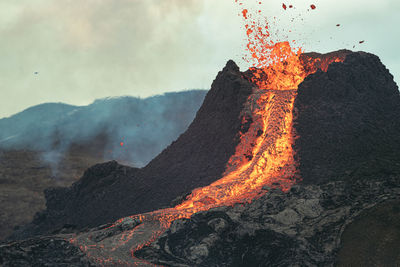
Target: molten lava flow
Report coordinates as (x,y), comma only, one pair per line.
(264,157)
(313,61)
(285,72)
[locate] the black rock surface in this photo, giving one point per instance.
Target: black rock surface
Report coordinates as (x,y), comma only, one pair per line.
(45,251)
(347,121)
(300,228)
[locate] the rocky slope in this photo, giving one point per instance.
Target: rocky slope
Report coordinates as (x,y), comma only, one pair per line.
(348,121)
(198,157)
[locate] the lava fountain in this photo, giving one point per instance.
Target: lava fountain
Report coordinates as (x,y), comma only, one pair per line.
(263,159)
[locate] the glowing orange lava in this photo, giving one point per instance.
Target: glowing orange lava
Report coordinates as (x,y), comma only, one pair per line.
(264,157)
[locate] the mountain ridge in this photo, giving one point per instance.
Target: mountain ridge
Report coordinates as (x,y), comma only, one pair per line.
(56,126)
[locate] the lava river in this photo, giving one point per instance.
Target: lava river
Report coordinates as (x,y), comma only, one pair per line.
(263,159)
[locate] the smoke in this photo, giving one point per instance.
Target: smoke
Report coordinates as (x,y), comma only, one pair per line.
(128,129)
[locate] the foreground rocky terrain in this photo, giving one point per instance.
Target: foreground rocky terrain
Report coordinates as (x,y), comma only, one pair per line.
(46,251)
(347,148)
(299,228)
(303,227)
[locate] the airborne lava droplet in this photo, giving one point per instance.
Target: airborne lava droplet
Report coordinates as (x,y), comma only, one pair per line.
(313,7)
(244,12)
(122,143)
(284,6)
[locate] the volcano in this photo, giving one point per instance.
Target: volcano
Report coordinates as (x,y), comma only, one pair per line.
(329,123)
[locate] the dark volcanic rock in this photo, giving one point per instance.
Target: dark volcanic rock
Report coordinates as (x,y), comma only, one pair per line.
(373,238)
(348,122)
(46,251)
(299,228)
(198,157)
(348,149)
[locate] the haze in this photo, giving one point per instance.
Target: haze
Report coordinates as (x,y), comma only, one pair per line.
(77,51)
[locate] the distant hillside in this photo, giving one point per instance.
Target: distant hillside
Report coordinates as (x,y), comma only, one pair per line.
(51,145)
(125,128)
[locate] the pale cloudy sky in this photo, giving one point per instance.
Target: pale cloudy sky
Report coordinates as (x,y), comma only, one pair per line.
(89,49)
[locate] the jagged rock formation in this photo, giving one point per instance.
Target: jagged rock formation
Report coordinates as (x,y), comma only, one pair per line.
(347,121)
(198,157)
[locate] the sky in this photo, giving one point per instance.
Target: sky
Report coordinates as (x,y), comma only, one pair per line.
(78,51)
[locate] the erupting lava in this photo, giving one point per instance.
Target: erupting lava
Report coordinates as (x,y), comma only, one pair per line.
(264,157)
